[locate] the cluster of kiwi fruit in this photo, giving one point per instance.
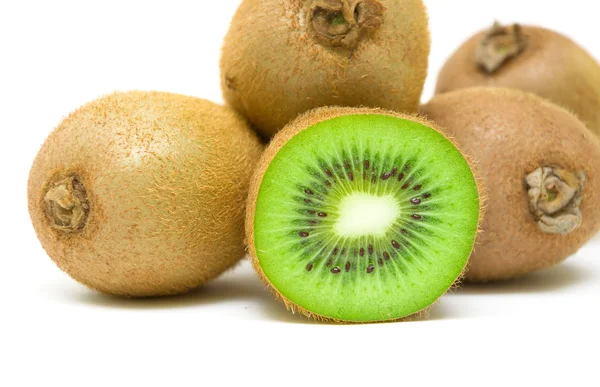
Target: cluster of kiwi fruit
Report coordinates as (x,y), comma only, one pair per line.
(364,206)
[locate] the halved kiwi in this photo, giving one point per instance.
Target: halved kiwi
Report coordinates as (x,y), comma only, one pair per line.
(361,215)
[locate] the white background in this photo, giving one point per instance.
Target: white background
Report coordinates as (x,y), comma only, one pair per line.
(56,55)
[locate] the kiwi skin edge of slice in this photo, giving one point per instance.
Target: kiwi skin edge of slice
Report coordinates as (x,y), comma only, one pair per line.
(306,121)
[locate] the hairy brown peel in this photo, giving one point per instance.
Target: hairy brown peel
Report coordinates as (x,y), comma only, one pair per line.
(541,169)
(282,58)
(344,22)
(555,195)
(142,194)
(499,45)
(532,59)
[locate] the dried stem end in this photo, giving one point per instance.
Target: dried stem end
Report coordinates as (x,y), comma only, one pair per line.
(67,205)
(554,198)
(499,45)
(343,23)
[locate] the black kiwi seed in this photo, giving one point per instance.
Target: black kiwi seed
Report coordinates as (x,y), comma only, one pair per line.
(370,269)
(336,270)
(415,201)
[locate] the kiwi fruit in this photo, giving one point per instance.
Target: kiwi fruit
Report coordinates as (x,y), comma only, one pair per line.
(541,167)
(532,59)
(143,193)
(361,215)
(282,58)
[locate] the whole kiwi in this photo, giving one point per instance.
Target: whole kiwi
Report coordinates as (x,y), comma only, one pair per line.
(541,169)
(143,193)
(284,57)
(531,59)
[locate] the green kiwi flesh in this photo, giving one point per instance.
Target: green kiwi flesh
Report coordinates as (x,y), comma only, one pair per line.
(365,217)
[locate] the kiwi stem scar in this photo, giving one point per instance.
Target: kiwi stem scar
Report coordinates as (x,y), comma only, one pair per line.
(342,23)
(67,205)
(555,195)
(498,46)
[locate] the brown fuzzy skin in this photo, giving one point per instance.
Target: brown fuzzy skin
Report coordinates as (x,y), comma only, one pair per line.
(298,125)
(274,67)
(167,178)
(512,133)
(552,66)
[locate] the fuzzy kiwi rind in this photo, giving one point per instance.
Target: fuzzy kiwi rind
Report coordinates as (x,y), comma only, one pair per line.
(512,133)
(306,121)
(277,63)
(143,194)
(531,59)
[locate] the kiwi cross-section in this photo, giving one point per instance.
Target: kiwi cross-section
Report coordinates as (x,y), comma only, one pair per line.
(362,215)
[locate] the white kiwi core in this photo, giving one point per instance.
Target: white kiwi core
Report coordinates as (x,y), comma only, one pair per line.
(363,214)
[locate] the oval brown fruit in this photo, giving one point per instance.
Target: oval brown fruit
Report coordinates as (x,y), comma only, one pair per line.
(143,194)
(531,59)
(541,169)
(285,57)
